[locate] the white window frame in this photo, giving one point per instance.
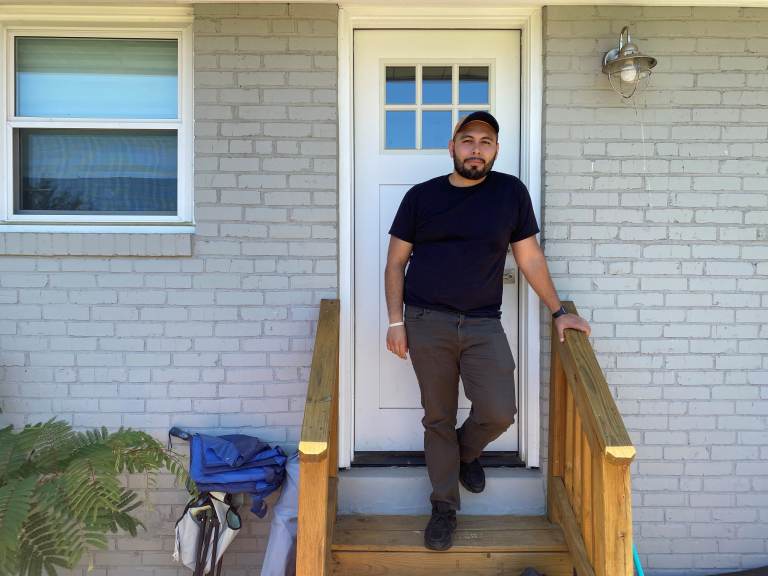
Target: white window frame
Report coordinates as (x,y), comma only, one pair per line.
(177,26)
(455,108)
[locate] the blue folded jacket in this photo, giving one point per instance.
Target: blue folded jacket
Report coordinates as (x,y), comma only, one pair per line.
(231,450)
(237,463)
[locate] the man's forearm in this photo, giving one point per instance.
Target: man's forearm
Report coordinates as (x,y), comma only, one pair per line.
(537,274)
(394,281)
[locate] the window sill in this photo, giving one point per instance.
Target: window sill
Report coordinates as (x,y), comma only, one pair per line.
(72,240)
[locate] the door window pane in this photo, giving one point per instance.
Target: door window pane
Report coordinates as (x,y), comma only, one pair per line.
(96,171)
(96,78)
(436,85)
(401,129)
(401,85)
(435,128)
(473,84)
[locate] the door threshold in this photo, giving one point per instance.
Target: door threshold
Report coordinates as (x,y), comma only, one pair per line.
(416,459)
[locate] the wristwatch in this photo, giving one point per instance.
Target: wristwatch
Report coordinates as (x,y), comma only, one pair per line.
(559,312)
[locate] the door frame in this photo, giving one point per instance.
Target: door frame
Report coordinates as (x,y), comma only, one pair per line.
(528,20)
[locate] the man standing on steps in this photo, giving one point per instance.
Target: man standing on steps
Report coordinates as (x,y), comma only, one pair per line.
(455,231)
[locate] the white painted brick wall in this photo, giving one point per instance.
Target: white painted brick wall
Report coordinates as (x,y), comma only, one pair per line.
(664,244)
(659,243)
(221,339)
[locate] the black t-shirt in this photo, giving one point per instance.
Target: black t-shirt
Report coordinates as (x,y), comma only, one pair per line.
(460,238)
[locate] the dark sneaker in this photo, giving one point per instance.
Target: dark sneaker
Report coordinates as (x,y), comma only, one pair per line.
(438,534)
(471,476)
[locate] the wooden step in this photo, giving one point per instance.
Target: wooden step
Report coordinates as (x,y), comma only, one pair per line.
(482,546)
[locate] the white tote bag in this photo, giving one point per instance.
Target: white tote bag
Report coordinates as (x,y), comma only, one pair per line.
(196,521)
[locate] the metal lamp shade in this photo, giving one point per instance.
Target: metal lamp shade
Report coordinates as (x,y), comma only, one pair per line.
(627,68)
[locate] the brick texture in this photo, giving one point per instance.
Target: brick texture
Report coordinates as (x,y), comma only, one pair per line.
(654,224)
(220,339)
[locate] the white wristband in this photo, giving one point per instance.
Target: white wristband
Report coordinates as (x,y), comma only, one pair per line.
(397,324)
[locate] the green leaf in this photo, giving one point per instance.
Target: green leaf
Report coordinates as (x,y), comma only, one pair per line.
(15,504)
(61,492)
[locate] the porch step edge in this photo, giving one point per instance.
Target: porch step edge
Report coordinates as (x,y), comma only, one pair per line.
(406,490)
(393,534)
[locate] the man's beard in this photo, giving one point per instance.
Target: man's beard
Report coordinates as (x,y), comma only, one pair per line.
(472,173)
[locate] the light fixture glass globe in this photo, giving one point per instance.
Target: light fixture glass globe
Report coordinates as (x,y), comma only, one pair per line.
(628,74)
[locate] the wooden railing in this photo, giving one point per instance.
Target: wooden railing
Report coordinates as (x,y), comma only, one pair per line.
(318,449)
(589,491)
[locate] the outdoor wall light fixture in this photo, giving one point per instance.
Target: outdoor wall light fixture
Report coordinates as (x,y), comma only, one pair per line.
(627,68)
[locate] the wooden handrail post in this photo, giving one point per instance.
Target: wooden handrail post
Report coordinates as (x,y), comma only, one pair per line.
(311,538)
(588,482)
(613,511)
(318,450)
(556,430)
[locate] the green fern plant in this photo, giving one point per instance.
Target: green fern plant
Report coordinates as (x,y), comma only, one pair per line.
(60,492)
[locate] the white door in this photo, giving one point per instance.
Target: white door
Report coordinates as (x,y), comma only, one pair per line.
(410,88)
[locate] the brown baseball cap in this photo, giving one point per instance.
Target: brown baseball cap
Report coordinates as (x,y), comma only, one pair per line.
(479,116)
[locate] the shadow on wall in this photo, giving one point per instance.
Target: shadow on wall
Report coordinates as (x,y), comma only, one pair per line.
(754,572)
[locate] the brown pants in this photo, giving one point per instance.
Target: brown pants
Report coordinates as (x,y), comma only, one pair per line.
(442,346)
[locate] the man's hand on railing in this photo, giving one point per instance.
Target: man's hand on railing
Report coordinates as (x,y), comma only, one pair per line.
(397,341)
(571,321)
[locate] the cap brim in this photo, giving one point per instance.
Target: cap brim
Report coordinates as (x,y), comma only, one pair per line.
(478,116)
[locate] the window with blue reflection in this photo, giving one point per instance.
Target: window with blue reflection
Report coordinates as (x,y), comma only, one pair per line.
(401,129)
(96,78)
(435,128)
(436,85)
(401,85)
(473,84)
(96,171)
